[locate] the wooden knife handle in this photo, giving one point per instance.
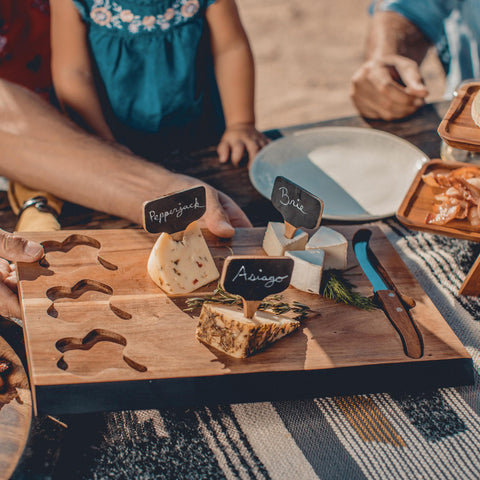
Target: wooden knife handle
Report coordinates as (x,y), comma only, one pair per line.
(401,320)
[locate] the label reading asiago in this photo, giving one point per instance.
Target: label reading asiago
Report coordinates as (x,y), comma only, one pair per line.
(254,278)
(173,213)
(298,207)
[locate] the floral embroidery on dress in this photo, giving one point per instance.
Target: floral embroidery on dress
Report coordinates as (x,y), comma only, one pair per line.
(108,13)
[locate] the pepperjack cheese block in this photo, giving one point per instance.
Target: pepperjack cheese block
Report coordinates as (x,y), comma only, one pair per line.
(276,244)
(182,266)
(225,328)
(307,269)
(334,244)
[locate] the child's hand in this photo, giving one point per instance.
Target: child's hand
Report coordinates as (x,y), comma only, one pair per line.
(238,138)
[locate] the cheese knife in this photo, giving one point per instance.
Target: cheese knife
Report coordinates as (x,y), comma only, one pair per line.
(386,297)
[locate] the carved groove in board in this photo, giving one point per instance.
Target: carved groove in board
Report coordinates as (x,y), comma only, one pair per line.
(105,264)
(81,287)
(71,242)
(91,339)
(120,313)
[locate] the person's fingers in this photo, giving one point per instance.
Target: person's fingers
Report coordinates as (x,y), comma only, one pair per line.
(223,214)
(215,217)
(378,96)
(11,280)
(252,147)
(9,306)
(19,249)
(238,149)
(5,269)
(223,151)
(409,73)
(235,214)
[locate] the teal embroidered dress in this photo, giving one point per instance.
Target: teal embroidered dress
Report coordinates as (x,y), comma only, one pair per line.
(154,70)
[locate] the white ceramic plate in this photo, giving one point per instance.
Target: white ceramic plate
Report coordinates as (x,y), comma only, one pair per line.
(359,173)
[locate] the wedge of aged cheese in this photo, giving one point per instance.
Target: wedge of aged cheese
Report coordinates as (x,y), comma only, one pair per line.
(307,269)
(276,244)
(334,244)
(182,266)
(225,328)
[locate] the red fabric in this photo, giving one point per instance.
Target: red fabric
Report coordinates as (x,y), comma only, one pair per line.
(25,43)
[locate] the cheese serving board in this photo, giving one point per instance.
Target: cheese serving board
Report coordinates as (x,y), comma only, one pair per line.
(100,335)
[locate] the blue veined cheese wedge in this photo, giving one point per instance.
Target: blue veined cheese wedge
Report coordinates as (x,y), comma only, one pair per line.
(182,266)
(307,269)
(335,246)
(276,244)
(225,328)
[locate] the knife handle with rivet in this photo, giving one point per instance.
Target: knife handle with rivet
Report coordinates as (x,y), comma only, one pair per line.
(401,320)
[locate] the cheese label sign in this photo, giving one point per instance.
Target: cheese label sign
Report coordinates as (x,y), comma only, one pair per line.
(298,207)
(173,213)
(256,277)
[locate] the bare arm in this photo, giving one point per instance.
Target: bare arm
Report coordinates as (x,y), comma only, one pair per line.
(42,149)
(389,85)
(234,69)
(72,69)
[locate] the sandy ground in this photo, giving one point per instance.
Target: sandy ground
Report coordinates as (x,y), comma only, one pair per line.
(306,52)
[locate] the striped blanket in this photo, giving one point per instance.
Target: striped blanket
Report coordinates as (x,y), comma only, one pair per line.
(432,435)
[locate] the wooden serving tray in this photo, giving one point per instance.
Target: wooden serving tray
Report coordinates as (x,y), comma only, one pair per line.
(100,335)
(419,200)
(457,127)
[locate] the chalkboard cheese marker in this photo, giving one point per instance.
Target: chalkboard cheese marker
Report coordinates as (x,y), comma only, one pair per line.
(299,207)
(174,212)
(254,277)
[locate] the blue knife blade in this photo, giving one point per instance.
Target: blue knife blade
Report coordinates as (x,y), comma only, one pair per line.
(386,296)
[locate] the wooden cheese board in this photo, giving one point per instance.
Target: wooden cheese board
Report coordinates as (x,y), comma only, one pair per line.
(100,335)
(457,127)
(419,200)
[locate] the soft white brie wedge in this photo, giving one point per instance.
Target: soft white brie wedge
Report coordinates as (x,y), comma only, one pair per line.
(276,244)
(182,266)
(334,244)
(225,328)
(307,269)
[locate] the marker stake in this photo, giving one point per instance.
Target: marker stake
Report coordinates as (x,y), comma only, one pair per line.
(255,277)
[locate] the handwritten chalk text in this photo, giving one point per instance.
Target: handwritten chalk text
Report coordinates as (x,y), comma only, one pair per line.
(287,201)
(268,281)
(175,211)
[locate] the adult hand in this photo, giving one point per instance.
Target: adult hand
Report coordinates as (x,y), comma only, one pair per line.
(388,88)
(15,249)
(222,214)
(238,138)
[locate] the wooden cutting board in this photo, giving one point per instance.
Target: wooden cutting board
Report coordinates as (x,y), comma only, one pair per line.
(15,413)
(100,335)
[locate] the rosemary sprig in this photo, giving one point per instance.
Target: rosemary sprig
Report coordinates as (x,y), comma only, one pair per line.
(336,287)
(272,304)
